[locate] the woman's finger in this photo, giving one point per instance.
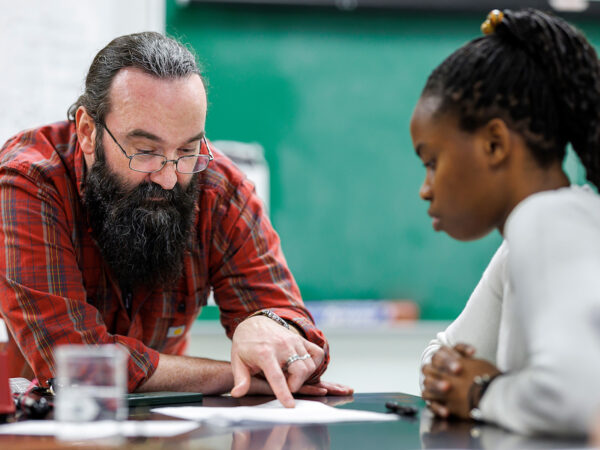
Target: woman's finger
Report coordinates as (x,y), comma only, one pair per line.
(466,350)
(447,360)
(439,410)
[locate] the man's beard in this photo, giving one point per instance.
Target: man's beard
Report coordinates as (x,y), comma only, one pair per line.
(142,239)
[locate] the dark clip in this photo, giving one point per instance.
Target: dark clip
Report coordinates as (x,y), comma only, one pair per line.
(401,410)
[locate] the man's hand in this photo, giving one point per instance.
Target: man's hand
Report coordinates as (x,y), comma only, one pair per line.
(449,377)
(262,345)
(325,388)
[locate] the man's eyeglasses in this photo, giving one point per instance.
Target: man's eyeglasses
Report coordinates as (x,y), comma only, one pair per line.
(150,162)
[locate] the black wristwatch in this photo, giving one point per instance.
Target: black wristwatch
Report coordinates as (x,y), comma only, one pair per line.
(476,391)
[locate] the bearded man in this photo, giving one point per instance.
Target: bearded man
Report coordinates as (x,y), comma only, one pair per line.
(116,225)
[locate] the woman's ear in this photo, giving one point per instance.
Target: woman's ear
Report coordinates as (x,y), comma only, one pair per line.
(86,131)
(497,142)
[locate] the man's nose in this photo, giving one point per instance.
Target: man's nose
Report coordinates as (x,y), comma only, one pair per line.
(165,177)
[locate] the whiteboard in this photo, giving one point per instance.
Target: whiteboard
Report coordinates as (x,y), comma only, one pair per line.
(46,48)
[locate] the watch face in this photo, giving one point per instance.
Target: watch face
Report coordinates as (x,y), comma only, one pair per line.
(476,414)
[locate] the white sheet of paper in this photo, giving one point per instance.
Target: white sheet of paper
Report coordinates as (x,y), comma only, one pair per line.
(306,411)
(94,430)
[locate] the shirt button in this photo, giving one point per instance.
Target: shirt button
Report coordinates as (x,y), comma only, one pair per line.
(181,307)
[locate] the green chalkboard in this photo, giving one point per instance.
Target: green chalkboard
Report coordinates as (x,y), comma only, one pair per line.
(329,95)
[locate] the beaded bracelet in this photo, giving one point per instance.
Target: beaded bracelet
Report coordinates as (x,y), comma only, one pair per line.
(271,315)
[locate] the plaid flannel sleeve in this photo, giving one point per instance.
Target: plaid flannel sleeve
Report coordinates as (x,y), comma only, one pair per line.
(42,294)
(252,273)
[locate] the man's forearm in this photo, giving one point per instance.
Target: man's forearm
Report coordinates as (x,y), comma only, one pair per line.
(191,374)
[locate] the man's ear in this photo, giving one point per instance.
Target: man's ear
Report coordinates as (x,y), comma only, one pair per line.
(497,143)
(86,131)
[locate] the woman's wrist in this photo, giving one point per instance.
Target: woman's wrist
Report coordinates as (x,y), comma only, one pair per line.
(477,390)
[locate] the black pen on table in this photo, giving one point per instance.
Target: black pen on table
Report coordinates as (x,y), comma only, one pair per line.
(401,410)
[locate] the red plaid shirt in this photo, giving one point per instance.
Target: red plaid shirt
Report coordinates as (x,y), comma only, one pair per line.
(56,289)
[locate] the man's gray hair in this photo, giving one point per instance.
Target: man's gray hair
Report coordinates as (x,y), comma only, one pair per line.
(151,52)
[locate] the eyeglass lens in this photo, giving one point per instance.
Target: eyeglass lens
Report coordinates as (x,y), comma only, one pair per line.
(153,163)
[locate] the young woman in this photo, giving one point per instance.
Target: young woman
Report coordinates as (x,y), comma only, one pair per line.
(491,128)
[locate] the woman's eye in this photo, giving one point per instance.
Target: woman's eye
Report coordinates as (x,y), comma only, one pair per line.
(145,152)
(430,164)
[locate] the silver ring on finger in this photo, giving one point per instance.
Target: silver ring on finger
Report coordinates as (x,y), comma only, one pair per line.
(292,359)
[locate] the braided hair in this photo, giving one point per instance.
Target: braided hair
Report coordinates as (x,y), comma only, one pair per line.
(538,74)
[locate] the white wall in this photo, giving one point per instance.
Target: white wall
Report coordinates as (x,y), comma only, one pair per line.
(382,359)
(47,46)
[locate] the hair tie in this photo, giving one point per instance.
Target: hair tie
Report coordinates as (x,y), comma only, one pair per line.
(493,19)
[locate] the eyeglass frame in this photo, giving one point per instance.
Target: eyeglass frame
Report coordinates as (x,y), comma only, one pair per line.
(165,159)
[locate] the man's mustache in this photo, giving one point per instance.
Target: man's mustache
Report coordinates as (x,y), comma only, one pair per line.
(153,191)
